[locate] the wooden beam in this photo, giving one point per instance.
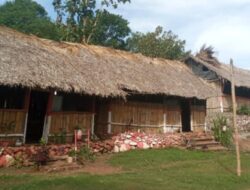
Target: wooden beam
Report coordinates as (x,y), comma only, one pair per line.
(93,117)
(49,104)
(26,108)
(47,119)
(236,134)
(164,122)
(27,100)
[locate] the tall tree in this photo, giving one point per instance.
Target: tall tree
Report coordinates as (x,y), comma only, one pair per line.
(159,43)
(84,22)
(29,17)
(111,30)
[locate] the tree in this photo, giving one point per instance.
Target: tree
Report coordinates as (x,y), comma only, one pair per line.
(83,22)
(111,31)
(159,43)
(29,17)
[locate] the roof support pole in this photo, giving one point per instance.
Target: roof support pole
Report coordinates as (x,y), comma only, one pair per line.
(164,122)
(26,108)
(109,122)
(93,117)
(236,134)
(47,119)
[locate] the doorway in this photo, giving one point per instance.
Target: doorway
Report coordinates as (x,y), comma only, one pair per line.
(185,116)
(37,111)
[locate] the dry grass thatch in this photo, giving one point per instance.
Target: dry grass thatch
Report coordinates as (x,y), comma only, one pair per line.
(32,62)
(242,76)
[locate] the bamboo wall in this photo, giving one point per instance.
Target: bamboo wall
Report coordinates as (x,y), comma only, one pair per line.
(198,118)
(147,117)
(216,104)
(64,123)
(173,119)
(17,117)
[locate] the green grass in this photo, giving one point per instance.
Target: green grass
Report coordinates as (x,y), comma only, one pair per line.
(152,169)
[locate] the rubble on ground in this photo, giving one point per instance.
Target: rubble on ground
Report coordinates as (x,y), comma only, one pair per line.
(24,155)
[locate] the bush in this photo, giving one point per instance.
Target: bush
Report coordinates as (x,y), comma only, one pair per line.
(82,155)
(222,132)
(244,110)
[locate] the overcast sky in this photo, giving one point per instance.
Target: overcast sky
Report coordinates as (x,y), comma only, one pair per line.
(224,24)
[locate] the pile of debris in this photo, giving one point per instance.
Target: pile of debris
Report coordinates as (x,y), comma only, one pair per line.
(134,140)
(120,143)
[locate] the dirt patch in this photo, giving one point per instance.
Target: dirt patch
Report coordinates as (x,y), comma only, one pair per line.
(99,167)
(244,145)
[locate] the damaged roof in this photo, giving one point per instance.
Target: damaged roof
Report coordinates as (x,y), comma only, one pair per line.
(32,62)
(241,76)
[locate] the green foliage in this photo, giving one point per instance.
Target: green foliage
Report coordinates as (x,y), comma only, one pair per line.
(60,138)
(19,161)
(111,31)
(159,43)
(43,142)
(86,153)
(84,23)
(29,17)
(244,110)
(83,155)
(222,132)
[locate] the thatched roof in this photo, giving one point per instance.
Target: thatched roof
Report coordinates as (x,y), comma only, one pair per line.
(32,62)
(242,76)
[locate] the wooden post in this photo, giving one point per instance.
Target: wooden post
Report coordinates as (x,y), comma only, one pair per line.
(47,119)
(93,117)
(164,122)
(221,104)
(236,134)
(109,122)
(26,108)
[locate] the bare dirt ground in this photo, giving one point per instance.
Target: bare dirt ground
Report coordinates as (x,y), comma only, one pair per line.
(245,145)
(99,167)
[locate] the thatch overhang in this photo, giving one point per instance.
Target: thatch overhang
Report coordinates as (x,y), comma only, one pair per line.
(242,76)
(32,62)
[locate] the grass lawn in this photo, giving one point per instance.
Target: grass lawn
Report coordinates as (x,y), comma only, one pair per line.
(152,169)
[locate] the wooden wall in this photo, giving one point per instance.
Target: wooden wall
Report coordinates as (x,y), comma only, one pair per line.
(147,117)
(173,119)
(215,104)
(69,121)
(17,117)
(198,118)
(66,122)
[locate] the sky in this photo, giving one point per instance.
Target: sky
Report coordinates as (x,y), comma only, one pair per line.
(223,24)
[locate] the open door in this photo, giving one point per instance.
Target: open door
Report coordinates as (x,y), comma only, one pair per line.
(37,111)
(185,116)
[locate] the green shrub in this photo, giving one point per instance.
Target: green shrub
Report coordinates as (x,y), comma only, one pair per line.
(244,110)
(222,132)
(82,155)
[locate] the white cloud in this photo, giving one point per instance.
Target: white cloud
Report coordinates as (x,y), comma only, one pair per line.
(223,24)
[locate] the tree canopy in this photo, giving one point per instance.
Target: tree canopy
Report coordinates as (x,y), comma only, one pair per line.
(111,31)
(29,17)
(84,22)
(159,43)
